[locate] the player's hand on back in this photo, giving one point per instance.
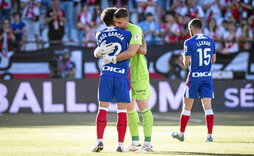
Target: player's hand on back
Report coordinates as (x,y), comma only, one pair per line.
(109,59)
(105,49)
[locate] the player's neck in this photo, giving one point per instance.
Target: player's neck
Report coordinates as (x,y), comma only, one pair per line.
(197,32)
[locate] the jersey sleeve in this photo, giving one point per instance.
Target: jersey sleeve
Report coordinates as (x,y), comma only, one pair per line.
(186,48)
(136,35)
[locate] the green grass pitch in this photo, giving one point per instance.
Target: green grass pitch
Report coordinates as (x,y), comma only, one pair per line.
(74,134)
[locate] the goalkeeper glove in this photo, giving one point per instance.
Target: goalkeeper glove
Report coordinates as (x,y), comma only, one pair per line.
(109,59)
(104,49)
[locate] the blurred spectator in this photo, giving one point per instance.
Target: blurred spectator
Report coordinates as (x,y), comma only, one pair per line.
(19,29)
(235,9)
(84,22)
(6,38)
(46,4)
(211,29)
(247,8)
(133,11)
(150,29)
(68,67)
(230,10)
(251,22)
(97,19)
(118,3)
(61,65)
(231,37)
(96,23)
(179,7)
(93,3)
(5,10)
(146,6)
(31,14)
(56,22)
(182,26)
(216,32)
(194,10)
(164,6)
(170,29)
(213,10)
(246,35)
(222,29)
(176,68)
(216,13)
(68,7)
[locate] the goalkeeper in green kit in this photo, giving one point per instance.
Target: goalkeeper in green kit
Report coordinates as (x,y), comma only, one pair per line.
(139,80)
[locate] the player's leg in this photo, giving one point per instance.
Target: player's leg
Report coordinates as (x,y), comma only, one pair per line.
(147,124)
(105,95)
(209,116)
(122,96)
(190,93)
(143,92)
(206,94)
(121,124)
(133,122)
(184,118)
(101,122)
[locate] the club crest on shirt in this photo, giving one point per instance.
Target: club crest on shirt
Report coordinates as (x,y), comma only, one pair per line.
(136,37)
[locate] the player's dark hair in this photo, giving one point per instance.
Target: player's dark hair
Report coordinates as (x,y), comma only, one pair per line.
(107,15)
(196,23)
(121,13)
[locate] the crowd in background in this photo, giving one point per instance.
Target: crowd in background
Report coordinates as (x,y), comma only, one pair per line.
(230,22)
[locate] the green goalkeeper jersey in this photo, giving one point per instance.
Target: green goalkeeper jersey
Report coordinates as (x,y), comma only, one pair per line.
(138,64)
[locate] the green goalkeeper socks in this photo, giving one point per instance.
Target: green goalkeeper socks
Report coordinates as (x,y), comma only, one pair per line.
(133,121)
(147,123)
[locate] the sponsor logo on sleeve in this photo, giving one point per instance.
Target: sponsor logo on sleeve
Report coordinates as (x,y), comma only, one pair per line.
(136,37)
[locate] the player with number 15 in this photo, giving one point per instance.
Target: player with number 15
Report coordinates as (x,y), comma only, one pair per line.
(199,54)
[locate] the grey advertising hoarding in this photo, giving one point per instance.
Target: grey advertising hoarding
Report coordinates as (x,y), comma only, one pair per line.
(76,96)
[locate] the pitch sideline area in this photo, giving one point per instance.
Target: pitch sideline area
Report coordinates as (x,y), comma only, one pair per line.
(74,134)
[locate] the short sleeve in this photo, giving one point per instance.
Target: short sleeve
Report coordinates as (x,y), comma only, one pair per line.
(136,35)
(186,49)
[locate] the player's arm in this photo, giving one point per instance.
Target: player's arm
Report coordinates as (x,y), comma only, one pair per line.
(131,51)
(143,49)
(186,61)
(135,43)
(214,58)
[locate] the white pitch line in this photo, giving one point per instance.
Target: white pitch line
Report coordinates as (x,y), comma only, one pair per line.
(174,118)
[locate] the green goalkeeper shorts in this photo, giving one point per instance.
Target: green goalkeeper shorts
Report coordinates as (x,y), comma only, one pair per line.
(140,90)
